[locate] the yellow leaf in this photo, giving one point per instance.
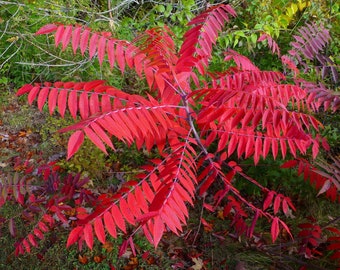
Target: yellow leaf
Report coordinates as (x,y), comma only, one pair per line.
(12,39)
(198,264)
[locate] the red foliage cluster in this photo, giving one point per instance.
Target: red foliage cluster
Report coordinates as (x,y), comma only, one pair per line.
(199,122)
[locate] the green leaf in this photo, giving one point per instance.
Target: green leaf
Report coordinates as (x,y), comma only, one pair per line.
(160,8)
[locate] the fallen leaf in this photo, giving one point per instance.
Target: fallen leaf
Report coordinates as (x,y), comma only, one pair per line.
(108,246)
(98,258)
(83,259)
(198,264)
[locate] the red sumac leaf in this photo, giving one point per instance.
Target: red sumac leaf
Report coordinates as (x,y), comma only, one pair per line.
(95,139)
(126,211)
(33,94)
(38,233)
(141,199)
(111,53)
(84,40)
(118,218)
(277,203)
(267,202)
(145,217)
(74,235)
(32,240)
(93,44)
(48,218)
(101,49)
(93,84)
(284,225)
(23,90)
(94,104)
(110,225)
(289,164)
(123,248)
(99,230)
(120,57)
(258,149)
(42,97)
(19,249)
(158,230)
(84,105)
(284,206)
(253,223)
(62,99)
(76,38)
(52,100)
(73,103)
(132,246)
(88,235)
(48,28)
(275,229)
(59,35)
(42,226)
(74,143)
(334,246)
(106,103)
(335,256)
(26,246)
(334,230)
(101,133)
(159,199)
(66,36)
(232,144)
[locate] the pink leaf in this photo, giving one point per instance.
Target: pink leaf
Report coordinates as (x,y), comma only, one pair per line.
(120,57)
(101,49)
(93,44)
(66,36)
(74,143)
(52,100)
(84,40)
(33,94)
(38,233)
(268,200)
(32,240)
(26,246)
(42,97)
(88,235)
(285,206)
(46,29)
(277,203)
(158,230)
(275,229)
(42,226)
(95,139)
(110,225)
(59,35)
(99,230)
(74,235)
(111,53)
(73,103)
(117,215)
(76,38)
(289,164)
(62,99)
(23,90)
